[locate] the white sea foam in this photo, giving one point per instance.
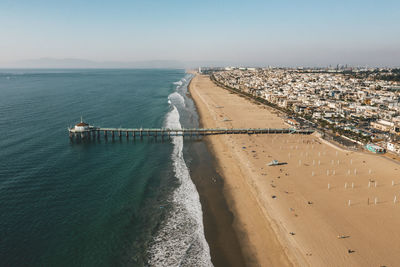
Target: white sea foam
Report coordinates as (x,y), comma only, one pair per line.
(179,83)
(175,96)
(181,241)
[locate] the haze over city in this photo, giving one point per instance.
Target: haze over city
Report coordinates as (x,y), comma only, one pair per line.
(192,33)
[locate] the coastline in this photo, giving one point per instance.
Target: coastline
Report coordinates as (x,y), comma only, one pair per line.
(286,215)
(217,218)
(250,252)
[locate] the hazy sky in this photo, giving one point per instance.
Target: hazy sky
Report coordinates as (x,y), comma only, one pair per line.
(249,32)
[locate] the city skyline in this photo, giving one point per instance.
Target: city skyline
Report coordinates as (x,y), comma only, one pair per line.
(122,33)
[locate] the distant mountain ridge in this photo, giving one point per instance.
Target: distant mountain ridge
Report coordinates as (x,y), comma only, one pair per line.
(83,63)
(60,63)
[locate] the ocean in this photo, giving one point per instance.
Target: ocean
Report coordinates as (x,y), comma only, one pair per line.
(98,203)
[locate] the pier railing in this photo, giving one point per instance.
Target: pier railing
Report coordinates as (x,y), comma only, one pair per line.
(97,132)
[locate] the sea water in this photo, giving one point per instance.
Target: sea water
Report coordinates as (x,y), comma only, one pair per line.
(98,203)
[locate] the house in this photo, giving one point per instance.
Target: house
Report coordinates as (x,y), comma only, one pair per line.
(393,147)
(382,125)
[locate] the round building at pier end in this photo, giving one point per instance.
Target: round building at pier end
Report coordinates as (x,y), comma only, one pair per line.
(81,127)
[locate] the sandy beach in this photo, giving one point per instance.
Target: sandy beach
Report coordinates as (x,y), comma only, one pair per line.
(325,207)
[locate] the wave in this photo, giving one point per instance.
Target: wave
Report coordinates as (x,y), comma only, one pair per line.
(180,241)
(179,83)
(176,97)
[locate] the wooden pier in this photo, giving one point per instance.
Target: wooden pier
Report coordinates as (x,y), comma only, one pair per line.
(97,132)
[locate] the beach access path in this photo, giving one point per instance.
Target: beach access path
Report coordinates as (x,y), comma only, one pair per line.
(317,210)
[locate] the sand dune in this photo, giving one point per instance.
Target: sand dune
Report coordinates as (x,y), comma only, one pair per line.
(299,213)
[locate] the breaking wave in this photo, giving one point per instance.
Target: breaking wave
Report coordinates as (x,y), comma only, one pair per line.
(179,83)
(176,97)
(180,241)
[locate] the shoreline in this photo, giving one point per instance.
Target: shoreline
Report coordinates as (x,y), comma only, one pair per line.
(217,218)
(249,252)
(297,213)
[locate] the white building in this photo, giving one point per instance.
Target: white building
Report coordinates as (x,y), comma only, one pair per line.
(393,147)
(81,127)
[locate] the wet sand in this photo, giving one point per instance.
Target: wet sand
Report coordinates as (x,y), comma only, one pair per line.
(220,235)
(217,218)
(299,213)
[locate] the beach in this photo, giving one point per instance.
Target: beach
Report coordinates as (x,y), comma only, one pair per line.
(325,207)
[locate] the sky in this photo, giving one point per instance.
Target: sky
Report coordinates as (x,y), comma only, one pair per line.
(252,32)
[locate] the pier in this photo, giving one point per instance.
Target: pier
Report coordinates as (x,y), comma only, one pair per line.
(84,131)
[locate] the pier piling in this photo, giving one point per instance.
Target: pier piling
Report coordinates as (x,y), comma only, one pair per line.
(92,132)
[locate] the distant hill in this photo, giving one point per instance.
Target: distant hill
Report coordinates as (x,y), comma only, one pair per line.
(60,63)
(83,63)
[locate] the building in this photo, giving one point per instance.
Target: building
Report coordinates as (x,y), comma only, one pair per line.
(393,147)
(382,125)
(81,127)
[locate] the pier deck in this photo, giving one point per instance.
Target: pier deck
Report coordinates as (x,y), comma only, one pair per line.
(165,132)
